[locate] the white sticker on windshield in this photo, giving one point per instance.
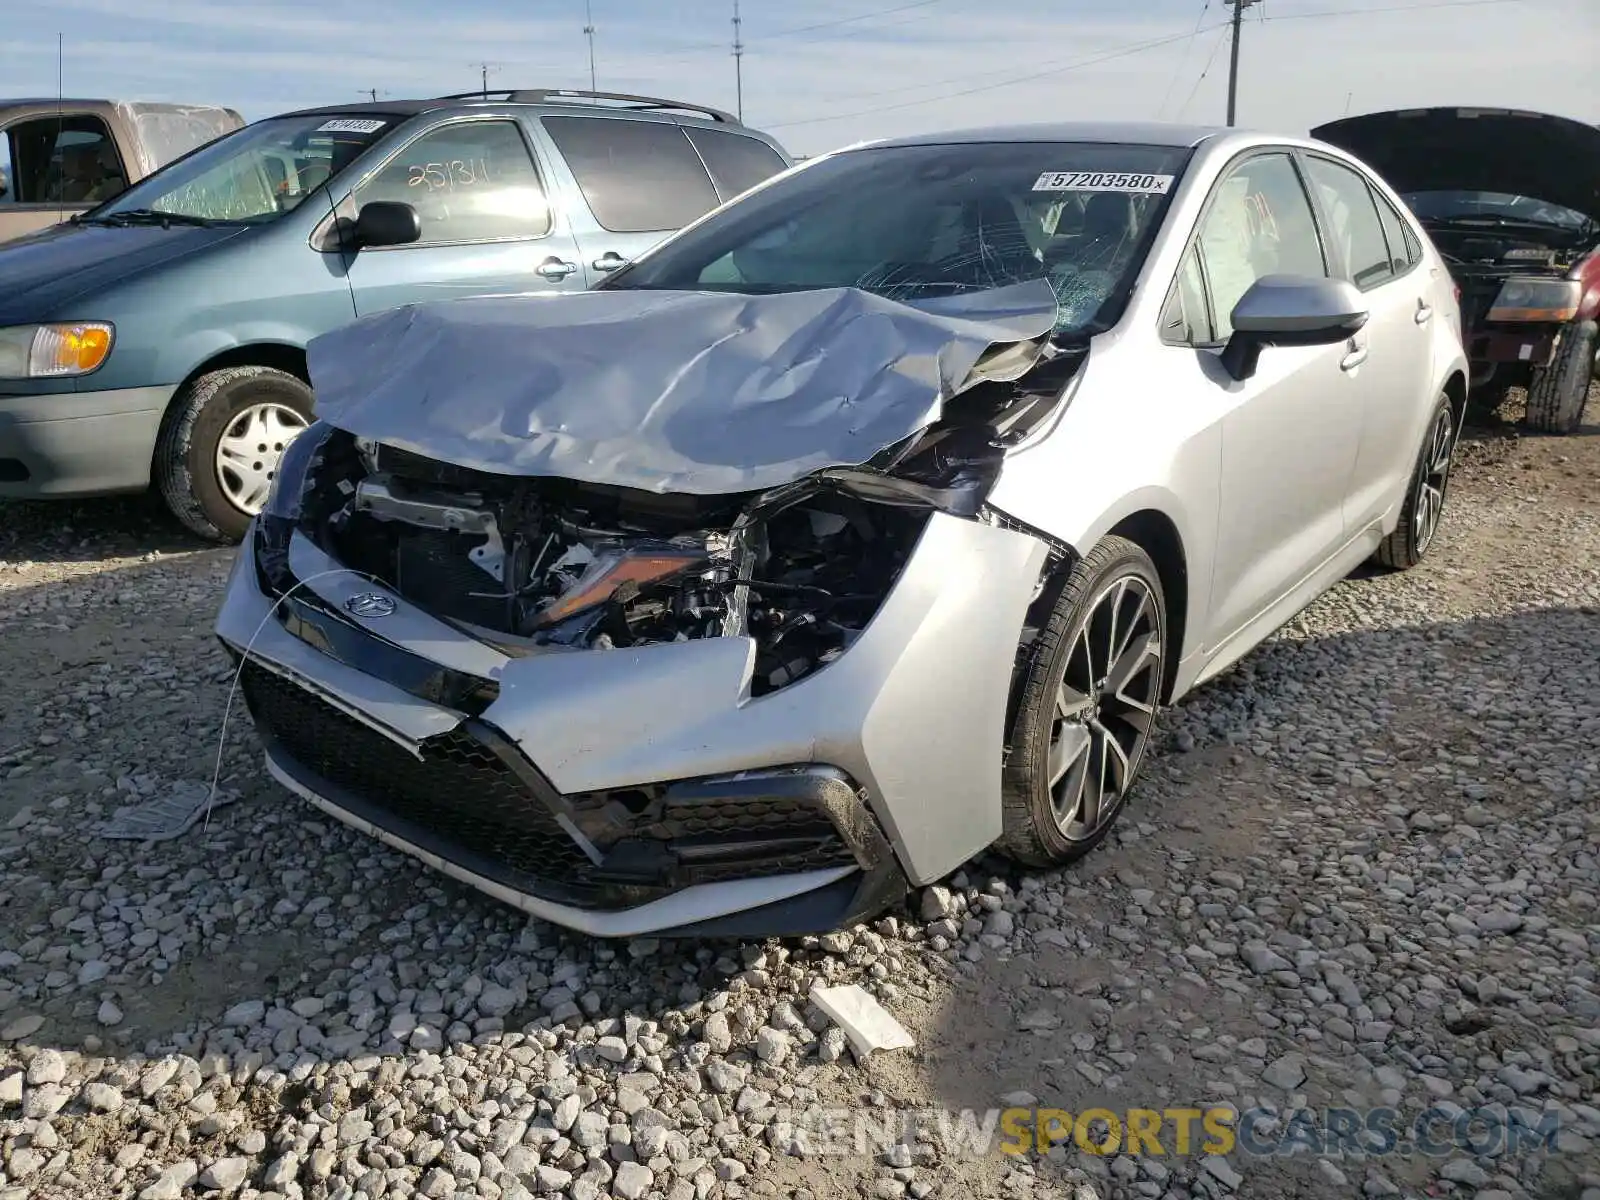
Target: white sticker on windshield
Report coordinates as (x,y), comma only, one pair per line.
(350,125)
(1102,181)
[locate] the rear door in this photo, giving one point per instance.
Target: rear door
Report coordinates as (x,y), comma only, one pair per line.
(1397,341)
(488,224)
(642,180)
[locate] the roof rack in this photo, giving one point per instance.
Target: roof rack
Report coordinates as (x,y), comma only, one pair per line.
(569,95)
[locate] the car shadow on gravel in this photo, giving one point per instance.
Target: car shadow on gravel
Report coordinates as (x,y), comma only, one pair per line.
(75,531)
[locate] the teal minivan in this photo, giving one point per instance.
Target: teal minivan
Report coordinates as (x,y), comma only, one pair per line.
(160,338)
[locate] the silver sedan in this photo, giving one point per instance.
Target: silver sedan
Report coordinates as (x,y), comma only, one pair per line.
(863,525)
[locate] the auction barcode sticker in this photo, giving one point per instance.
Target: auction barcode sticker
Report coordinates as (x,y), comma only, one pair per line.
(1102,181)
(351,126)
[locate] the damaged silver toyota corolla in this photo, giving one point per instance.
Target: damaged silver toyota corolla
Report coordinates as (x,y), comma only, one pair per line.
(861,526)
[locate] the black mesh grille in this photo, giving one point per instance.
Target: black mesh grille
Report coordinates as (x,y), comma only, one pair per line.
(473,806)
(460,792)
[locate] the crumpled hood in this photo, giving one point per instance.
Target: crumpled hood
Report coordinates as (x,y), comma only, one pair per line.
(43,271)
(697,392)
(1551,158)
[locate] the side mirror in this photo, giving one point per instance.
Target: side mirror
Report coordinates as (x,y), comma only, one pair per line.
(386,223)
(1290,310)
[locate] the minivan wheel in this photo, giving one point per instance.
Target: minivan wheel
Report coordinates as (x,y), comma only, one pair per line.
(1557,395)
(1425,494)
(220,444)
(1090,692)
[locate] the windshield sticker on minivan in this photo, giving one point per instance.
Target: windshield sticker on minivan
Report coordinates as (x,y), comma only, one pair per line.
(1102,181)
(351,125)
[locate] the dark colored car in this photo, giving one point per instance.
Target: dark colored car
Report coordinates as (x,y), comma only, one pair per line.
(1512,201)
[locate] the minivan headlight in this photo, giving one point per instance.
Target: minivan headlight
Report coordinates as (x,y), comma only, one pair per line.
(54,351)
(1523,298)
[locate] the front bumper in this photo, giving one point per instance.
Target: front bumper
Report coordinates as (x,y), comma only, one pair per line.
(794,812)
(79,443)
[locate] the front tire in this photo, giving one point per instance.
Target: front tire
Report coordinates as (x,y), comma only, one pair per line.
(1090,691)
(1425,494)
(1558,392)
(220,444)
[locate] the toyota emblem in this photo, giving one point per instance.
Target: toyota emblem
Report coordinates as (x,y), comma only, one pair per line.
(369,604)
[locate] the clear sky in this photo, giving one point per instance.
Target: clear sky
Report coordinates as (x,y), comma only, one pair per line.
(821,73)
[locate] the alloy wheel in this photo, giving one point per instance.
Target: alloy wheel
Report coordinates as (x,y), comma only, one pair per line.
(1105,707)
(249,450)
(1432,480)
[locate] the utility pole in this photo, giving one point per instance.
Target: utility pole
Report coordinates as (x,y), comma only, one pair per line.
(588,32)
(1233,66)
(738,64)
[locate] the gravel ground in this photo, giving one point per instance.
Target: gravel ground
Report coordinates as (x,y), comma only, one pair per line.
(1363,870)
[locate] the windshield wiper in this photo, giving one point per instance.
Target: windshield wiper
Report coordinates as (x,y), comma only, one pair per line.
(148,216)
(1497,221)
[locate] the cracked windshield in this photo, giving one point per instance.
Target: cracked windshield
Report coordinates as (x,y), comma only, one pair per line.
(922,221)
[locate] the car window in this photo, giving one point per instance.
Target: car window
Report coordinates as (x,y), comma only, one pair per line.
(912,222)
(473,181)
(1404,252)
(1355,227)
(69,160)
(1185,320)
(635,176)
(736,162)
(7,193)
(1258,223)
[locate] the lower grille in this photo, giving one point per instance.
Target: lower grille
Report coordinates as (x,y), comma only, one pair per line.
(460,792)
(464,803)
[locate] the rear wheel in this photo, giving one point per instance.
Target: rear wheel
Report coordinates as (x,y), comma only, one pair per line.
(1424,504)
(220,444)
(1558,392)
(1089,697)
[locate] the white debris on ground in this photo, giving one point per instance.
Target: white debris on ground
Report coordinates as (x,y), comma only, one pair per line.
(1363,870)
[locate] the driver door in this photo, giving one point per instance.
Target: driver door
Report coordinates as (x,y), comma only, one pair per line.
(1291,432)
(488,226)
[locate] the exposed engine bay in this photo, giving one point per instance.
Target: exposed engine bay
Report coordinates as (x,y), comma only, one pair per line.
(542,564)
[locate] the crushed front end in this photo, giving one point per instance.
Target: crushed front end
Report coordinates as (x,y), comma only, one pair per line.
(742,713)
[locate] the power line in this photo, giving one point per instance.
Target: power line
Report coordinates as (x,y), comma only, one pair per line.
(1121,52)
(1392,8)
(1183,58)
(696,49)
(1206,70)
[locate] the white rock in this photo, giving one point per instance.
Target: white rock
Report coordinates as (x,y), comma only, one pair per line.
(864,1021)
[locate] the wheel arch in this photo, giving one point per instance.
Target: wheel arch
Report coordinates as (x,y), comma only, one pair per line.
(1455,387)
(279,356)
(1156,533)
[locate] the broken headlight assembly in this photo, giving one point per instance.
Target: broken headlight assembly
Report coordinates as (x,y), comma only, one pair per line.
(286,497)
(1529,298)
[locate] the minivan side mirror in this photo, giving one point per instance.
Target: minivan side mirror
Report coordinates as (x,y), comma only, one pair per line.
(1290,310)
(386,223)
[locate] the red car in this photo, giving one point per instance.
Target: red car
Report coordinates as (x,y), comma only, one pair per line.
(1512,201)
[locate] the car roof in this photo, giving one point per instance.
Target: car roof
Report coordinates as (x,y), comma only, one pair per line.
(1143,133)
(615,104)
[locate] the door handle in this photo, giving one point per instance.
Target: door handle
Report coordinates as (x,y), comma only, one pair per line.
(555,269)
(1357,356)
(609,261)
(1424,311)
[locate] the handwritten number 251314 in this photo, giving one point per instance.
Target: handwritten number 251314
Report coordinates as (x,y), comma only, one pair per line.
(447,176)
